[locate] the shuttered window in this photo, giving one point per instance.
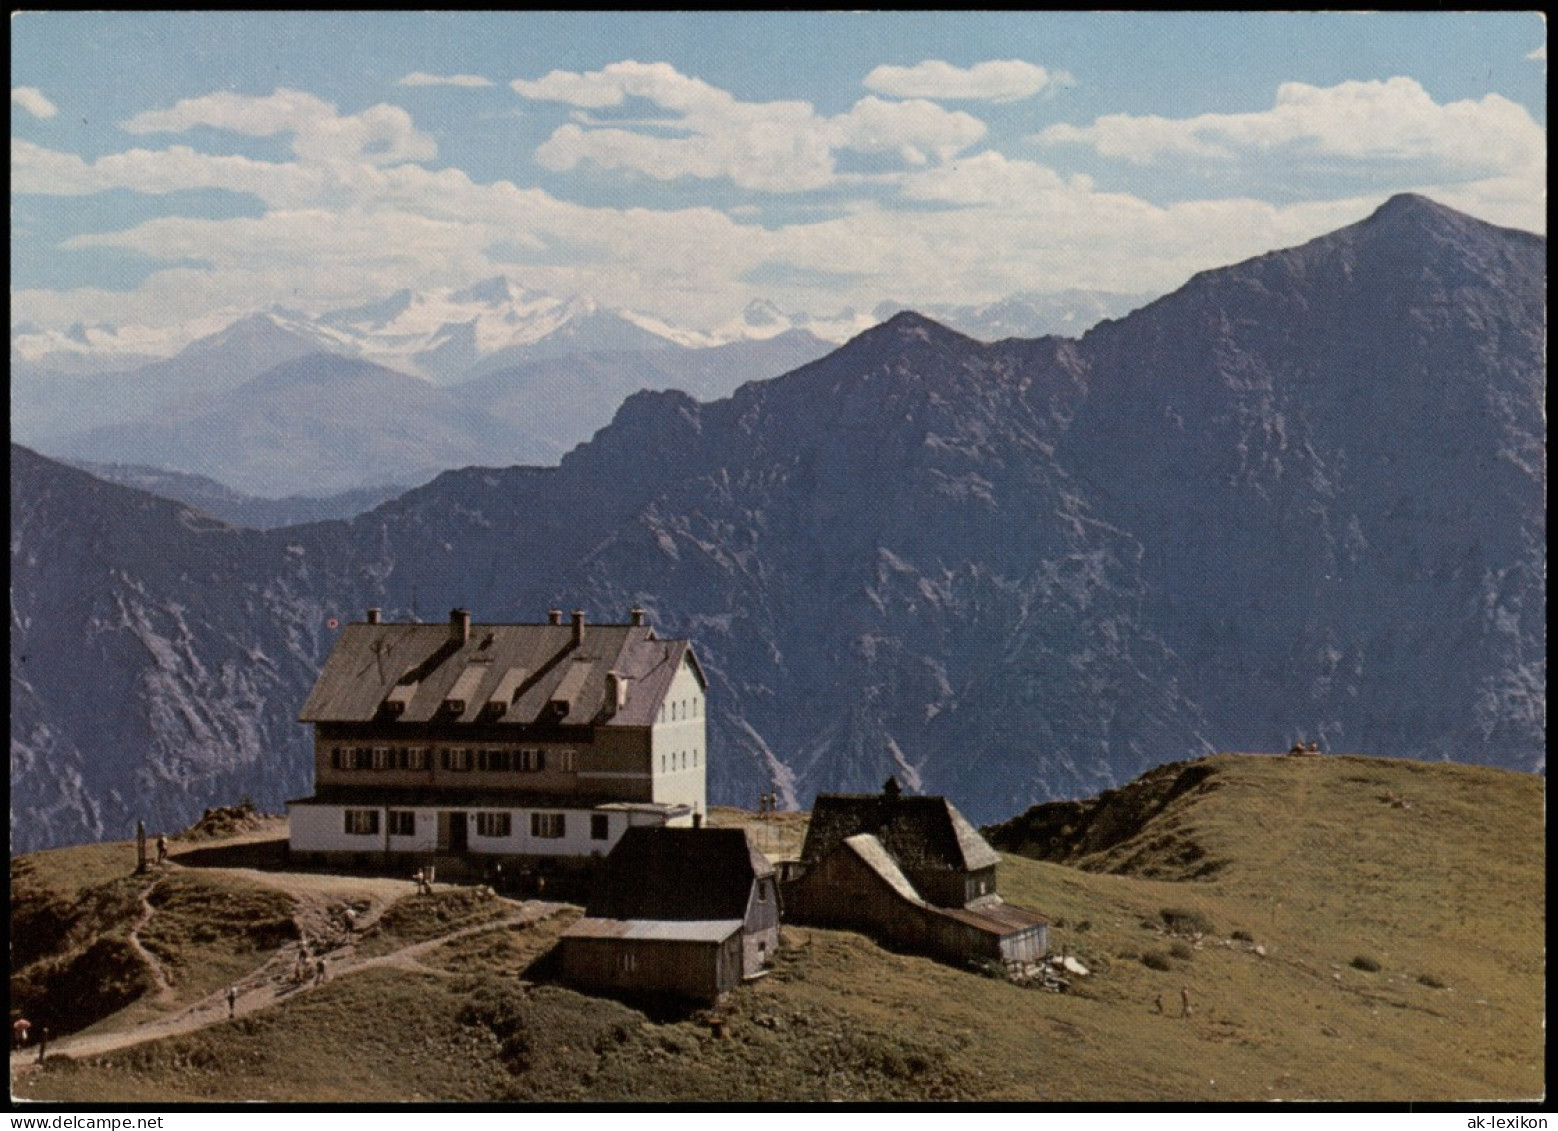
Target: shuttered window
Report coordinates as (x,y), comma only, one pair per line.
(548,826)
(494,824)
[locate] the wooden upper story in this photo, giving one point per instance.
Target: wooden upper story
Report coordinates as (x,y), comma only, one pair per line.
(569,709)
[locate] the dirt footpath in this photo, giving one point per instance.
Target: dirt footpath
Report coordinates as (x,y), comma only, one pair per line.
(320,899)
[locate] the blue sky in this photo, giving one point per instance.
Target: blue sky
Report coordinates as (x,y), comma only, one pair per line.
(168,166)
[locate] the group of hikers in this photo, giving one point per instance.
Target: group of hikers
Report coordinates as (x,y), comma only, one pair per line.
(309,969)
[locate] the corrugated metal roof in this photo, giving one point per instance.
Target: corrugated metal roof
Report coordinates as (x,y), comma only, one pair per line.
(998,919)
(421,665)
(646,807)
(655,930)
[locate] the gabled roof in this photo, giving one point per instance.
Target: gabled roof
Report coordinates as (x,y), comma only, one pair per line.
(992,917)
(678,874)
(875,857)
(917,832)
(505,674)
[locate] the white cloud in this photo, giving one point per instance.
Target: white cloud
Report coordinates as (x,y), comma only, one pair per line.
(877,126)
(709,134)
(1539,55)
(38,170)
(31,99)
(987,178)
(342,225)
(382,134)
(422,78)
(1365,122)
(1004,80)
(660,83)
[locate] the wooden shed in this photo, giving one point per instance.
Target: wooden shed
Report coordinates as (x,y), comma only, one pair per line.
(696,959)
(690,912)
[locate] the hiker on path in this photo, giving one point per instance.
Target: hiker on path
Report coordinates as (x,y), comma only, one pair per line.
(162,848)
(1186,1009)
(43,1044)
(20,1029)
(350,916)
(232,1001)
(319,971)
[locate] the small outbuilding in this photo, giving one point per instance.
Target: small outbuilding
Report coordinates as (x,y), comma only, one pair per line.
(913,873)
(682,912)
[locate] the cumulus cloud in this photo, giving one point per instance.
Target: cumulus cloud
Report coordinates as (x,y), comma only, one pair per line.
(31,99)
(707,133)
(1391,121)
(1003,80)
(382,134)
(988,178)
(36,169)
(342,225)
(1539,55)
(422,78)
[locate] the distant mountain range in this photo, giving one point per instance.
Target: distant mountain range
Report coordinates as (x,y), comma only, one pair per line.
(537,374)
(1068,313)
(231,506)
(1301,497)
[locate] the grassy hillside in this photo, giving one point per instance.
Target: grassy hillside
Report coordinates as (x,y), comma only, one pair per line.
(1372,930)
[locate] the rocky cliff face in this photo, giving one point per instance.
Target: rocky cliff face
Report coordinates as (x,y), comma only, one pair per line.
(1303,496)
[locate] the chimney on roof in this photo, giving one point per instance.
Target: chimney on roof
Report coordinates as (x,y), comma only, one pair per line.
(554,616)
(636,617)
(578,626)
(459,625)
(373,616)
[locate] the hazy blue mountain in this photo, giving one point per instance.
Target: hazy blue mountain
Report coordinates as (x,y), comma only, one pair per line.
(211,497)
(320,424)
(565,400)
(325,424)
(1303,496)
(1030,314)
(48,404)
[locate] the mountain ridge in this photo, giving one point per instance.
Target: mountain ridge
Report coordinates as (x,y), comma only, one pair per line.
(1249,513)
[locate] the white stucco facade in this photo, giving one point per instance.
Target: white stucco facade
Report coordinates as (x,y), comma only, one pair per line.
(678,745)
(361,828)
